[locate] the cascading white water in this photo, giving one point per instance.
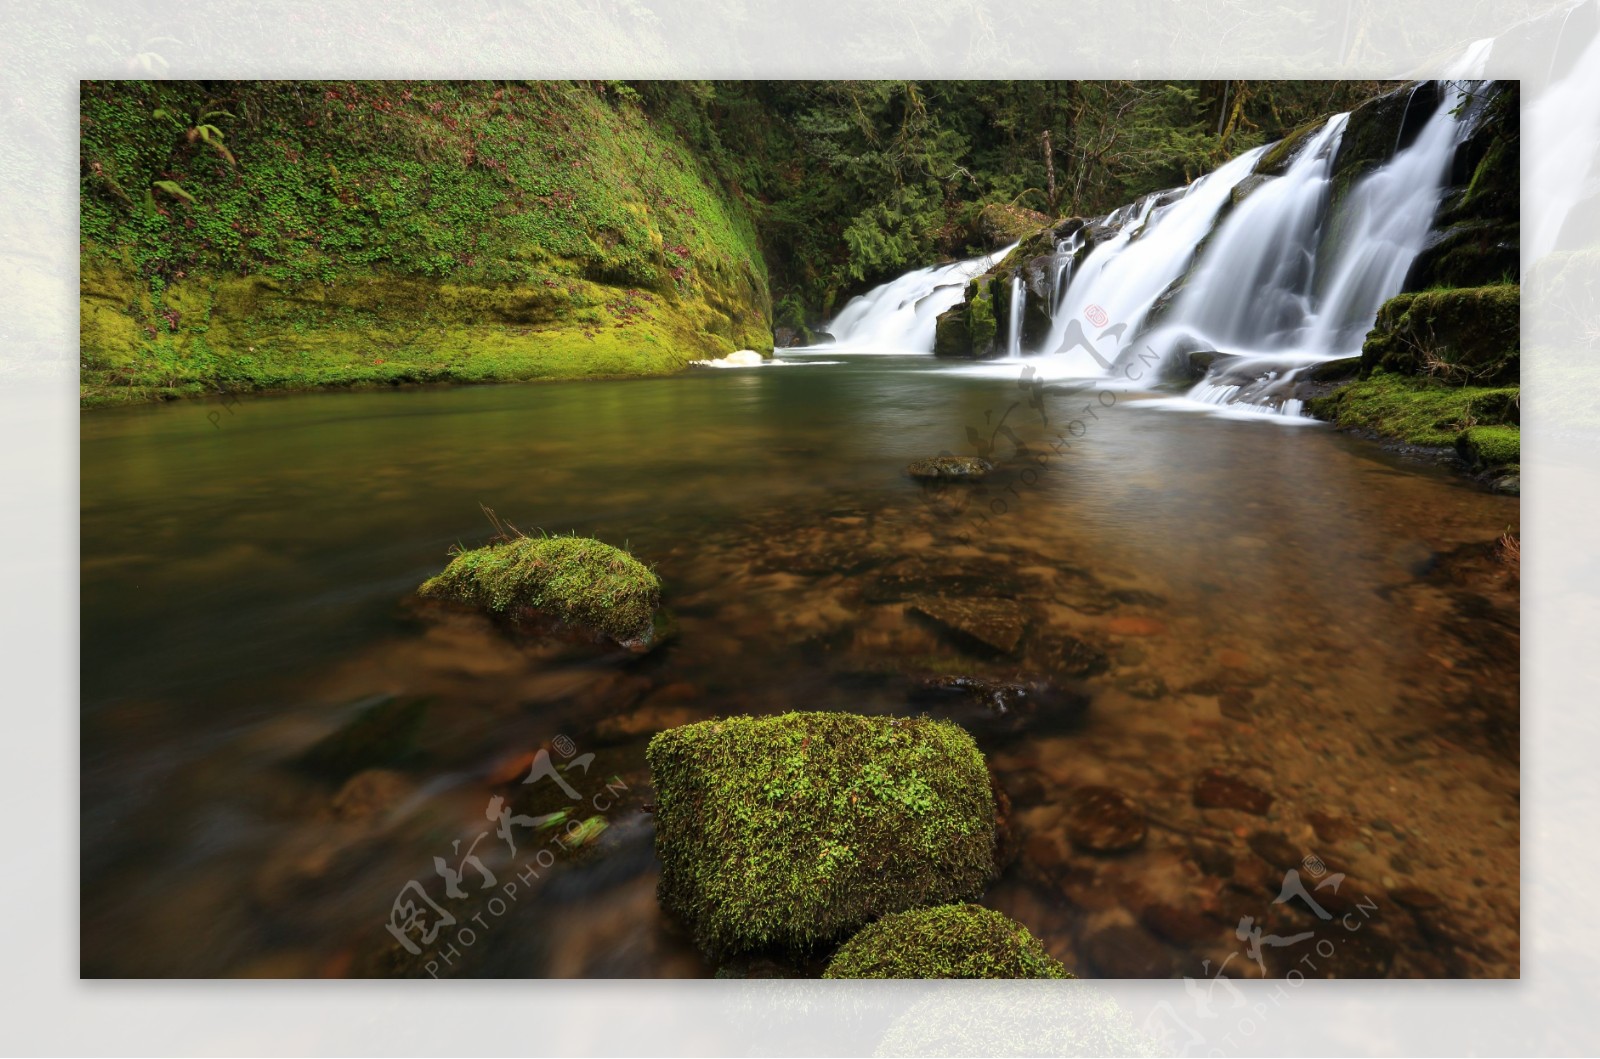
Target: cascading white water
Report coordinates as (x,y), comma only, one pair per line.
(1019,296)
(1260,293)
(1252,288)
(900,316)
(1066,253)
(1124,275)
(1278,285)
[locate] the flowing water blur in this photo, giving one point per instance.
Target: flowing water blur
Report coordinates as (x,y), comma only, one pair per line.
(1294,608)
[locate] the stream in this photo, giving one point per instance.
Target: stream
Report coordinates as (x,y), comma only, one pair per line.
(1217,612)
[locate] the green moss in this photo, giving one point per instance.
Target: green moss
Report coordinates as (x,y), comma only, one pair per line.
(378,232)
(1466,334)
(983,322)
(948,941)
(787,832)
(1418,411)
(1276,158)
(1490,446)
(576,580)
(1000,223)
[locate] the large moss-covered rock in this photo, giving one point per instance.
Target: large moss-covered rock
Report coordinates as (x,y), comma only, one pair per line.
(951,336)
(972,328)
(788,832)
(574,581)
(1470,334)
(948,941)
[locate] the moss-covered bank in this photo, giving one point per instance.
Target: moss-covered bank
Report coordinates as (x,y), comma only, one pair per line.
(285,235)
(785,833)
(948,941)
(1441,368)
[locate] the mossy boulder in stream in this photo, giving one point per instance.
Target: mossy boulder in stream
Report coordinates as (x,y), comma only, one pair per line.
(575,581)
(785,833)
(948,941)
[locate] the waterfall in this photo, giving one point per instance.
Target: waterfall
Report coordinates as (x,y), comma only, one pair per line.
(1252,287)
(900,316)
(1014,317)
(1262,270)
(1151,245)
(1285,287)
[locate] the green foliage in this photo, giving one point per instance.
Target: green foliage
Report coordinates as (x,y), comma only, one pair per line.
(787,832)
(576,580)
(947,941)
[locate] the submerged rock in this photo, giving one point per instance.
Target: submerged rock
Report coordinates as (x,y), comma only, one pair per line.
(994,624)
(1127,951)
(1104,820)
(951,468)
(1000,707)
(1201,360)
(784,833)
(1335,370)
(1216,789)
(383,733)
(947,941)
(572,582)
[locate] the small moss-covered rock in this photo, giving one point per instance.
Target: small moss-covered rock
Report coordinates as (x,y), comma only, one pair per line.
(958,468)
(948,941)
(1467,334)
(574,580)
(1494,446)
(784,833)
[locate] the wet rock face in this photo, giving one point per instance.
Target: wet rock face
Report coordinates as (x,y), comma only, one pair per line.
(951,468)
(1476,239)
(1380,127)
(1104,820)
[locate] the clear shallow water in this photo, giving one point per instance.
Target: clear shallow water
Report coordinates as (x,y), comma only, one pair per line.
(1290,607)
